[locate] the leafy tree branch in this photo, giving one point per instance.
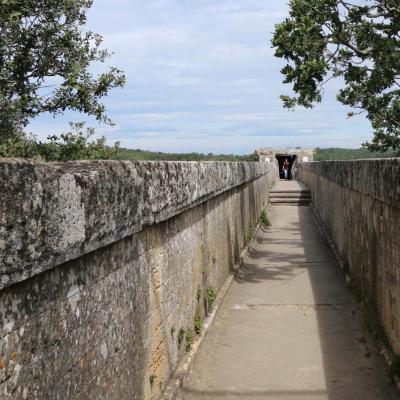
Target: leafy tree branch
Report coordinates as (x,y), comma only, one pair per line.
(358,41)
(46,57)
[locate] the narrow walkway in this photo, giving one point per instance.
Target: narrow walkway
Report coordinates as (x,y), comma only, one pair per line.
(288,328)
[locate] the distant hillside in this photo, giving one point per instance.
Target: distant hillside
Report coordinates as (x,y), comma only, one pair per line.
(335,153)
(137,154)
(332,153)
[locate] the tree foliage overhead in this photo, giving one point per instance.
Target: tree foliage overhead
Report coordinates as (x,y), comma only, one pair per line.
(77,144)
(358,40)
(45,59)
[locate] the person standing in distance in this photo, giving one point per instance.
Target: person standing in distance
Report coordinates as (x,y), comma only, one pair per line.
(285,168)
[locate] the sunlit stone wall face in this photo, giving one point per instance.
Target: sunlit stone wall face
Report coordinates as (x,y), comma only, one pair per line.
(359,204)
(103,265)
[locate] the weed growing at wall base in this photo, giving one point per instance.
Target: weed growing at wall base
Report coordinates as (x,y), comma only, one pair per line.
(264,218)
(210,299)
(181,335)
(189,340)
(250,231)
(198,321)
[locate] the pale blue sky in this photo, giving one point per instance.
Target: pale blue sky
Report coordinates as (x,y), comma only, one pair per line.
(201,76)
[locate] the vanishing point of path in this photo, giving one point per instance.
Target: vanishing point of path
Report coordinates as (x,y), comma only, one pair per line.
(288,328)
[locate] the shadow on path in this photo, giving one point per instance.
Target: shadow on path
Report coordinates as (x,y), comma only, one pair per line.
(288,327)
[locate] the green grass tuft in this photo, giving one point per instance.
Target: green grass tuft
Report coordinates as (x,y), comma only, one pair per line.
(210,299)
(264,218)
(198,321)
(181,335)
(189,340)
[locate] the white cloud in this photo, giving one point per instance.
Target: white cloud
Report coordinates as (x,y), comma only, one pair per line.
(202,77)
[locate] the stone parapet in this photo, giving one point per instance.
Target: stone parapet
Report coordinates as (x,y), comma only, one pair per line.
(53,213)
(377,178)
(108,269)
(358,202)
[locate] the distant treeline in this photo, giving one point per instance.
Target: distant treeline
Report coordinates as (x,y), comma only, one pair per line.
(137,154)
(332,153)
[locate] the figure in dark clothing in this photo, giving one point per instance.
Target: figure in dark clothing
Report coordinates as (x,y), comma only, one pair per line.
(285,168)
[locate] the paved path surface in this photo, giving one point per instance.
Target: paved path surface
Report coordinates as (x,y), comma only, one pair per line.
(288,328)
(290,185)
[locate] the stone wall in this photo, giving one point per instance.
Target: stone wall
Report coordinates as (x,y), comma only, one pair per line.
(104,265)
(359,204)
(269,154)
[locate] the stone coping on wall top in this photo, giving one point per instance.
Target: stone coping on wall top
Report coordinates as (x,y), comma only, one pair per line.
(51,213)
(377,177)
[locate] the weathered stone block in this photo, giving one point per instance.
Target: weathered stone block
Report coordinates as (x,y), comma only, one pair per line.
(53,213)
(101,266)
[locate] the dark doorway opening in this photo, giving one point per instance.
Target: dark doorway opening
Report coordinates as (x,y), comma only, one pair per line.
(281,159)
